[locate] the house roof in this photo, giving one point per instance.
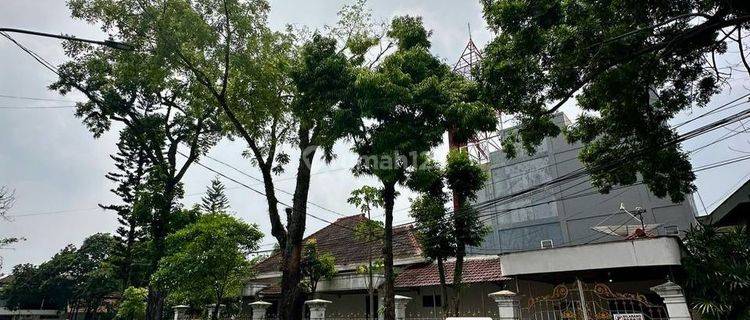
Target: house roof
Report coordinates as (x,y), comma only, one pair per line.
(338,239)
(426,274)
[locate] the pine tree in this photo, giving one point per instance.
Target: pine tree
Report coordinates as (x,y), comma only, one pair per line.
(131,175)
(215,200)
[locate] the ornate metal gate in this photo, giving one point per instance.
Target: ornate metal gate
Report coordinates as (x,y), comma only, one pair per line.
(580,301)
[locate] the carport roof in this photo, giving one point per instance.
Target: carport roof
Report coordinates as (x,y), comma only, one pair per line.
(475,270)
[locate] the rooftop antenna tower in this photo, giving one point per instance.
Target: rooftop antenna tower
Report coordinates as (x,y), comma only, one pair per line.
(470,58)
(483,144)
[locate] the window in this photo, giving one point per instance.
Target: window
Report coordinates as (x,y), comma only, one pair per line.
(432,301)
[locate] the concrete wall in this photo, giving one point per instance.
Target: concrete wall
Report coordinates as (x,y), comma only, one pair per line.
(475,302)
(564,213)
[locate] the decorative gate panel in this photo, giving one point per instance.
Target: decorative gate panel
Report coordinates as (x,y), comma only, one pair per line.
(580,301)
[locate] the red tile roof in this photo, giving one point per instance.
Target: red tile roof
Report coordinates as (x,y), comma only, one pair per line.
(338,239)
(475,270)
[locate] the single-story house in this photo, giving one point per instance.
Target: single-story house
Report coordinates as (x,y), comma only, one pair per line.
(608,278)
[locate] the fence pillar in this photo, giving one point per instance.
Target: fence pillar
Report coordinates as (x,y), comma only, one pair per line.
(259,309)
(317,308)
(674,299)
(180,311)
(506,304)
(400,302)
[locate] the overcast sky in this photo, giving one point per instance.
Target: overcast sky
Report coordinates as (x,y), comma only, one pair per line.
(57,168)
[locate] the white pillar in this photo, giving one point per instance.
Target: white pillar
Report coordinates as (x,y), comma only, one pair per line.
(180,311)
(506,304)
(317,308)
(259,309)
(674,299)
(400,302)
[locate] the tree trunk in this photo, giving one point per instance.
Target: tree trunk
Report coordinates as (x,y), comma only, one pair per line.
(457,285)
(128,261)
(389,195)
(217,306)
(443,286)
(291,305)
(155,298)
(371,288)
(461,232)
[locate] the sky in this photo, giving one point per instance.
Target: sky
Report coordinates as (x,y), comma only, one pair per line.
(57,168)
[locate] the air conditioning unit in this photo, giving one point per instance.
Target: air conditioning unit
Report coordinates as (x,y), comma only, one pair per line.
(546,244)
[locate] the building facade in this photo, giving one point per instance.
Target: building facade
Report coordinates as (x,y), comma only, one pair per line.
(570,213)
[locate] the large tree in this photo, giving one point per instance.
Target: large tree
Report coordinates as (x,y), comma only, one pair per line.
(131,176)
(407,102)
(148,95)
(269,93)
(445,233)
(79,278)
(207,260)
(631,66)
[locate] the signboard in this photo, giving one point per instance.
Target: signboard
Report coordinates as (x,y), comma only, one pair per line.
(628,316)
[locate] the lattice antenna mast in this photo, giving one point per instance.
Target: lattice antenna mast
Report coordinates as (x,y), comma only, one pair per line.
(484,143)
(470,58)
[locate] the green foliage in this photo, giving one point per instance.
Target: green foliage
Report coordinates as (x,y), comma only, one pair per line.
(206,260)
(409,32)
(464,176)
(631,68)
(131,254)
(717,272)
(368,231)
(441,231)
(316,265)
(407,102)
(76,276)
(366,198)
(434,226)
(377,267)
(215,200)
(133,304)
(24,290)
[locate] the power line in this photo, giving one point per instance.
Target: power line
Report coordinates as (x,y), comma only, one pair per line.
(261,181)
(35,107)
(8,96)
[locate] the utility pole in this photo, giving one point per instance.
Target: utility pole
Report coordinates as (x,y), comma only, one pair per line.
(107,43)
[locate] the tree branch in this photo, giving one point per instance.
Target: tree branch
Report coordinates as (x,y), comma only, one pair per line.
(742,50)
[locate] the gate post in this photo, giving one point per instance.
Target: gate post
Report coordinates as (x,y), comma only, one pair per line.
(259,309)
(400,302)
(180,311)
(317,308)
(674,299)
(506,303)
